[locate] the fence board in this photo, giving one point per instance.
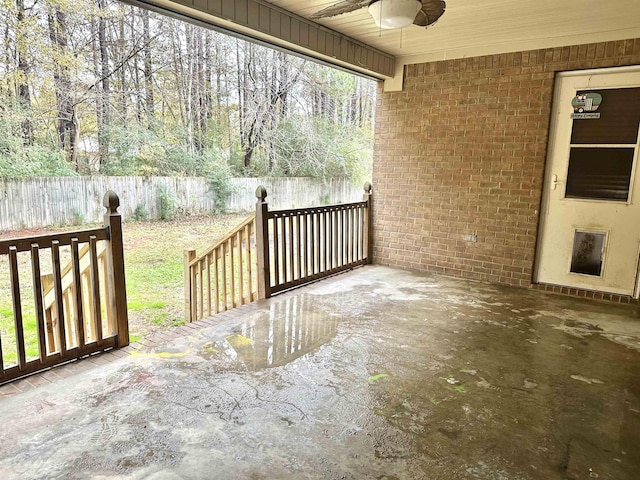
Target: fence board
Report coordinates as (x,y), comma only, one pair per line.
(27,203)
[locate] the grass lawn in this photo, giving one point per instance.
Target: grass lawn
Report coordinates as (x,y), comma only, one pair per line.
(154,274)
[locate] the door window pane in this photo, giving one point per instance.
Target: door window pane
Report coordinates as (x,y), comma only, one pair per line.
(588,249)
(599,173)
(619,112)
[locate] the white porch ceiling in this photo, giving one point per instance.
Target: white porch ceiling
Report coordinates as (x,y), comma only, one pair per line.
(482,27)
(468,28)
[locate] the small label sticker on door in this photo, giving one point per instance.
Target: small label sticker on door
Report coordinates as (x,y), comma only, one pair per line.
(588,251)
(585,104)
(585,116)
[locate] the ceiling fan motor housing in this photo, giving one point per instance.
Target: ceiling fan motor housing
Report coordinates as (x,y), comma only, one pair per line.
(394,13)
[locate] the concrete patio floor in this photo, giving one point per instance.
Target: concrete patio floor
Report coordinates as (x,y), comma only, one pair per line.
(378,373)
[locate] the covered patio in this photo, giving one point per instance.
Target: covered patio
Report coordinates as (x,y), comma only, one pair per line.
(375,373)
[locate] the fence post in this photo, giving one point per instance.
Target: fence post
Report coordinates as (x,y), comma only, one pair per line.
(368,197)
(262,243)
(115,268)
(189,297)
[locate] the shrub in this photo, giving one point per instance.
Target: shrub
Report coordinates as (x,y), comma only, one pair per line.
(167,203)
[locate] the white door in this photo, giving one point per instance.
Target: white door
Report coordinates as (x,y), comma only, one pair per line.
(590,216)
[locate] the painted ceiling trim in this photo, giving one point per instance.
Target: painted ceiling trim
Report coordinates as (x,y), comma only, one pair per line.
(265,23)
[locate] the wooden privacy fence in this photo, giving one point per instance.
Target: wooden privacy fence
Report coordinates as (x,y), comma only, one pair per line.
(79,309)
(273,251)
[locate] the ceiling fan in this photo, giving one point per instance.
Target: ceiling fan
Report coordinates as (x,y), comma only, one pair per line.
(390,13)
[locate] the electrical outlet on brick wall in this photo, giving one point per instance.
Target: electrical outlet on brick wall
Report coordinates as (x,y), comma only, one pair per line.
(471,238)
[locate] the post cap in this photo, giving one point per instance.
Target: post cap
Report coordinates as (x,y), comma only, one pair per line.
(367,187)
(261,193)
(111,201)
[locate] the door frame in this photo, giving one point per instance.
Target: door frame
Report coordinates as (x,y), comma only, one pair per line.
(548,178)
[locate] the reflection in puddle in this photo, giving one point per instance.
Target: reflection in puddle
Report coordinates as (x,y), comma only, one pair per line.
(293,328)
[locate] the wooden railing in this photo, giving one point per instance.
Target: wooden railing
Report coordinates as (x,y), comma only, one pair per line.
(90,302)
(292,248)
(79,309)
(224,276)
(305,244)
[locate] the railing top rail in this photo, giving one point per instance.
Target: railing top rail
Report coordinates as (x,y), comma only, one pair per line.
(24,244)
(224,239)
(310,210)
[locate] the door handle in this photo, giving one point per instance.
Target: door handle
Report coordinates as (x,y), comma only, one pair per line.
(555,182)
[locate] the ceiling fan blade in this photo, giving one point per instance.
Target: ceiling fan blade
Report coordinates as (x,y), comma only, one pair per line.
(430,12)
(344,6)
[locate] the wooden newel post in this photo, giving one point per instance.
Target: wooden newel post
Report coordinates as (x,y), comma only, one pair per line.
(262,243)
(368,228)
(189,286)
(117,287)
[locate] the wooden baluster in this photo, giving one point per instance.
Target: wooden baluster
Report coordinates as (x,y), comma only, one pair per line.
(283,252)
(193,275)
(216,282)
(352,235)
(94,279)
(240,268)
(276,252)
(208,268)
(326,232)
(328,218)
(17,306)
(341,236)
(304,241)
(77,295)
(338,239)
(57,288)
(115,267)
(349,215)
(332,235)
(200,266)
(315,242)
(291,242)
(232,268)
(299,244)
(223,259)
(189,285)
(347,236)
(359,255)
(321,242)
(38,302)
(248,229)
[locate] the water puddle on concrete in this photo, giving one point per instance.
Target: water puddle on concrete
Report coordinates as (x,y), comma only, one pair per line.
(289,330)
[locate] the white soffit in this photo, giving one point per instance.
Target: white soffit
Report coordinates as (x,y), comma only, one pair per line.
(472,28)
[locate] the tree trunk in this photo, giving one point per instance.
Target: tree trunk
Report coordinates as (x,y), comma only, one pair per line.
(105,90)
(148,69)
(24,95)
(67,129)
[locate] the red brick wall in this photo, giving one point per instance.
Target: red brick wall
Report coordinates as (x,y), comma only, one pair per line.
(461,150)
